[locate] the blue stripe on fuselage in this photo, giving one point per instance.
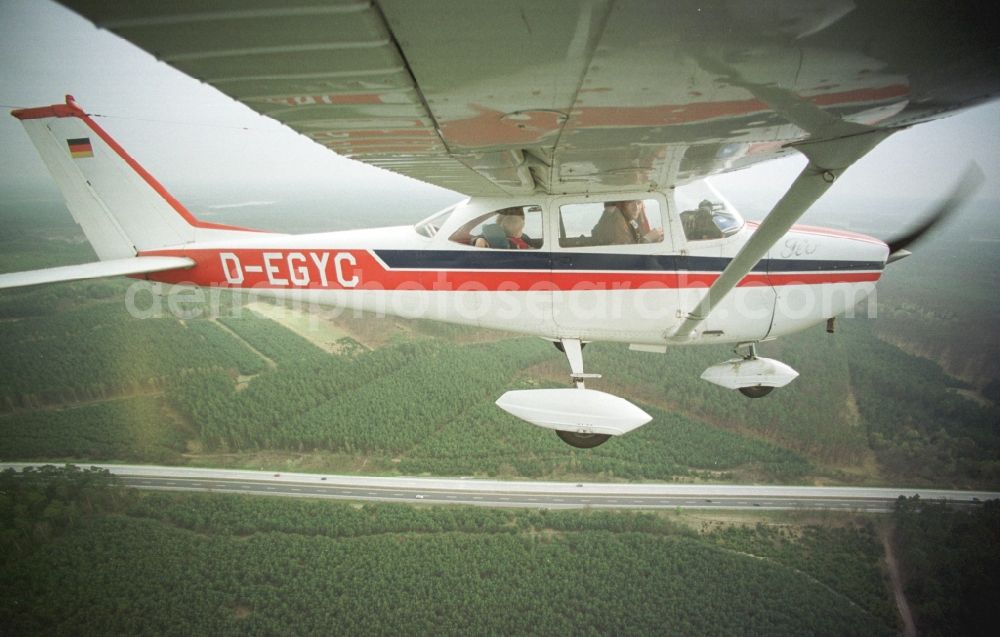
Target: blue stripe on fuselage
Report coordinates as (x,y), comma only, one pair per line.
(584,261)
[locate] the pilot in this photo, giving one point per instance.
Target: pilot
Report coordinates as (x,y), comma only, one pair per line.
(506,233)
(625,222)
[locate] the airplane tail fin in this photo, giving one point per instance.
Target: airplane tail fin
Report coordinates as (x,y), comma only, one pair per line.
(122,209)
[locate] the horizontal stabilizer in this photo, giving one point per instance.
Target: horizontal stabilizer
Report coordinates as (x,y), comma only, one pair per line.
(115,267)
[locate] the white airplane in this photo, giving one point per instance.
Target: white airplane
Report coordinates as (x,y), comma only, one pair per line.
(582,132)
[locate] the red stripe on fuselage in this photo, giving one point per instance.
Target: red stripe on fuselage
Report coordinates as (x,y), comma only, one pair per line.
(359,269)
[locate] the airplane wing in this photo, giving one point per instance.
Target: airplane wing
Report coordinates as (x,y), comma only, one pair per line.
(496,97)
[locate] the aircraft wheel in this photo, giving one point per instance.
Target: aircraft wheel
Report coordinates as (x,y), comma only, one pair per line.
(758,391)
(582,441)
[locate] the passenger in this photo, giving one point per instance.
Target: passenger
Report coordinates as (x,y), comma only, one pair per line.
(623,223)
(506,233)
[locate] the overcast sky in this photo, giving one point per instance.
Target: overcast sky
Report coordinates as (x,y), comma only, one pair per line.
(193,138)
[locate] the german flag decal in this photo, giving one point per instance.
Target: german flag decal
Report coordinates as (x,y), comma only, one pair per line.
(79,148)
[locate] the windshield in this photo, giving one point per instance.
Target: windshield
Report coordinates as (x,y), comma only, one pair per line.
(706,214)
(430,226)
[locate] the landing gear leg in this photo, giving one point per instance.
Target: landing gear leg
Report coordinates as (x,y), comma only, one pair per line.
(751,353)
(573,349)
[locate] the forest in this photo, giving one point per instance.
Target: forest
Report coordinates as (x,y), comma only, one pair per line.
(83,556)
(950,562)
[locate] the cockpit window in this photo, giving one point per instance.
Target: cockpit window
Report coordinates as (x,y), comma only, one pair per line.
(705,214)
(604,223)
(430,226)
(511,228)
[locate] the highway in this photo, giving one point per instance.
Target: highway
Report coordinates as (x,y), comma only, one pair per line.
(548,495)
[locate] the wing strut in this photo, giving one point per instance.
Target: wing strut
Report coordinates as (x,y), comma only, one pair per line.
(827,160)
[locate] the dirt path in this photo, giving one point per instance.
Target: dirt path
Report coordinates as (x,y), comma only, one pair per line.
(909,628)
(270,363)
